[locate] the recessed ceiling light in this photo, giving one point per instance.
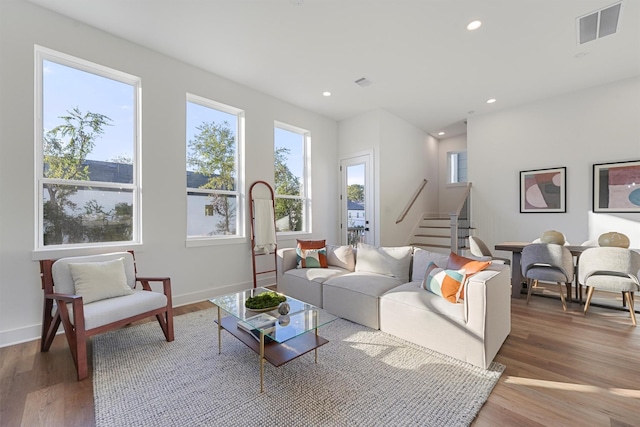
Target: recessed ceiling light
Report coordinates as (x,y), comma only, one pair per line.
(580,55)
(491,101)
(326,93)
(474,25)
(440,133)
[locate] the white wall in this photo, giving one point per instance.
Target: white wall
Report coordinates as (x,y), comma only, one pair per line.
(403,156)
(449,195)
(597,125)
(197,273)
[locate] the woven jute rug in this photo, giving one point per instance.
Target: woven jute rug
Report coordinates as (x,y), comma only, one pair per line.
(363,377)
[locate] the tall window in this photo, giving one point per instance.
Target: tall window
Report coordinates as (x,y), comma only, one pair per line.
(213,139)
(291,178)
(87,165)
(457,167)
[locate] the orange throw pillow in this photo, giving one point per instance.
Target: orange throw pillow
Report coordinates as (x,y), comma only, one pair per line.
(470,266)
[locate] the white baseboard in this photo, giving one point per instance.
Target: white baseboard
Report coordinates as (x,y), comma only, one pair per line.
(20,335)
(32,332)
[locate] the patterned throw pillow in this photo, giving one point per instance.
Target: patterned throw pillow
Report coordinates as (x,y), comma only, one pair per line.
(446,283)
(312,254)
(470,266)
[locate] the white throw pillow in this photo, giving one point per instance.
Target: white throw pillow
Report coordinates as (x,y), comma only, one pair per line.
(390,261)
(341,256)
(95,281)
(422,258)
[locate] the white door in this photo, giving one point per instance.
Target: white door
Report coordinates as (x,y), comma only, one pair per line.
(356,201)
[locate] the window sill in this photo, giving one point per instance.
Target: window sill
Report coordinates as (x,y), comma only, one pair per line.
(456,184)
(214,241)
(61,252)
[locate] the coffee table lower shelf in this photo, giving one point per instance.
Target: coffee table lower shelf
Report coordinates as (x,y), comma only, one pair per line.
(275,353)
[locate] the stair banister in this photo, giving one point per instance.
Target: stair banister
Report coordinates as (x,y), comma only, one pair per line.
(411,201)
(455,218)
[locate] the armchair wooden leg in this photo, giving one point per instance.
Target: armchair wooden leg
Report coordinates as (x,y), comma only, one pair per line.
(50,326)
(629,299)
(590,290)
(564,303)
(530,285)
(82,364)
(166,323)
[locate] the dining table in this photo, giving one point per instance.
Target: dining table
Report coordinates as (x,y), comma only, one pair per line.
(518,282)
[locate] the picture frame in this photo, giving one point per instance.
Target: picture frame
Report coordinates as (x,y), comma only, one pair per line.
(543,190)
(616,187)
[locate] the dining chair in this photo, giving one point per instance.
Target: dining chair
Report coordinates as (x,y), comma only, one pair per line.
(479,249)
(547,263)
(610,269)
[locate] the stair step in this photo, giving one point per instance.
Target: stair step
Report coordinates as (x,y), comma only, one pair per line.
(430,246)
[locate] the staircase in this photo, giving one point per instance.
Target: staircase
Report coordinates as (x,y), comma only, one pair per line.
(435,234)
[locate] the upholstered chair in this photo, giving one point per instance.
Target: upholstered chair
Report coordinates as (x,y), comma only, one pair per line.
(610,269)
(547,263)
(479,249)
(93,294)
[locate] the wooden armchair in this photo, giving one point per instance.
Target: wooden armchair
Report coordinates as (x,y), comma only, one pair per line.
(71,286)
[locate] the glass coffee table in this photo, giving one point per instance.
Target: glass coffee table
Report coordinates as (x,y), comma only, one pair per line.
(265,331)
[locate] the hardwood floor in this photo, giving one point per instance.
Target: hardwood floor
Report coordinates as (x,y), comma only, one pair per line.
(563,369)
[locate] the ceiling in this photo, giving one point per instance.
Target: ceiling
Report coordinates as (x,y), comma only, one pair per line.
(424,65)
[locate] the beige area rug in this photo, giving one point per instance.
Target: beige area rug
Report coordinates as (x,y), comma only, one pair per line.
(364,377)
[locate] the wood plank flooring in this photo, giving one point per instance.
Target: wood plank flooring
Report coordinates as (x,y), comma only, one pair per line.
(563,369)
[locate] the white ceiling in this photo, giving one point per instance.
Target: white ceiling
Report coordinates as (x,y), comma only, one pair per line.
(425,66)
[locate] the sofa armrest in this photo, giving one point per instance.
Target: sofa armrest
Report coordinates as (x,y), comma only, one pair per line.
(286,259)
(488,306)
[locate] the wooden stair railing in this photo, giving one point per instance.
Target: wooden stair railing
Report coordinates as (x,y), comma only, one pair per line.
(413,199)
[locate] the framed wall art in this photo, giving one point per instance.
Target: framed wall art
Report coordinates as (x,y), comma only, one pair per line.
(616,187)
(543,190)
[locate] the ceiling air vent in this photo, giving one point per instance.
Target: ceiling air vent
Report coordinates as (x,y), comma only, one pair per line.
(364,82)
(598,24)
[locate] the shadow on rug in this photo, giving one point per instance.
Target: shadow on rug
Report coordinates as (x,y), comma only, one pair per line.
(363,377)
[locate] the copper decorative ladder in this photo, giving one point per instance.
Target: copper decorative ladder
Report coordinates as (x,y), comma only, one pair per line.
(260,190)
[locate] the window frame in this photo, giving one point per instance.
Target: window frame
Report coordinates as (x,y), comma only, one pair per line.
(70,249)
(306,178)
(240,236)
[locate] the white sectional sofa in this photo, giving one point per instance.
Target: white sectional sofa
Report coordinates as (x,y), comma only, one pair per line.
(382,290)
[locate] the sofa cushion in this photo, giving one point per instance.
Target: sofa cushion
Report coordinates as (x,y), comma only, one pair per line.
(470,266)
(110,310)
(413,296)
(341,256)
(95,281)
(389,261)
(444,283)
(422,258)
(366,283)
(312,254)
(319,275)
(356,296)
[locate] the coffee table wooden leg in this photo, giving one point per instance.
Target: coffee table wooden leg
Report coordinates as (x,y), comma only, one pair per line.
(261,362)
(219,332)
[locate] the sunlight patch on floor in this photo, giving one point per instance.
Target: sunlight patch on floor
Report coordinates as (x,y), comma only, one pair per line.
(583,388)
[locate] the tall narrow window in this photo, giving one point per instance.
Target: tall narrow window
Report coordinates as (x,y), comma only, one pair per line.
(291,178)
(87,145)
(214,132)
(457,167)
